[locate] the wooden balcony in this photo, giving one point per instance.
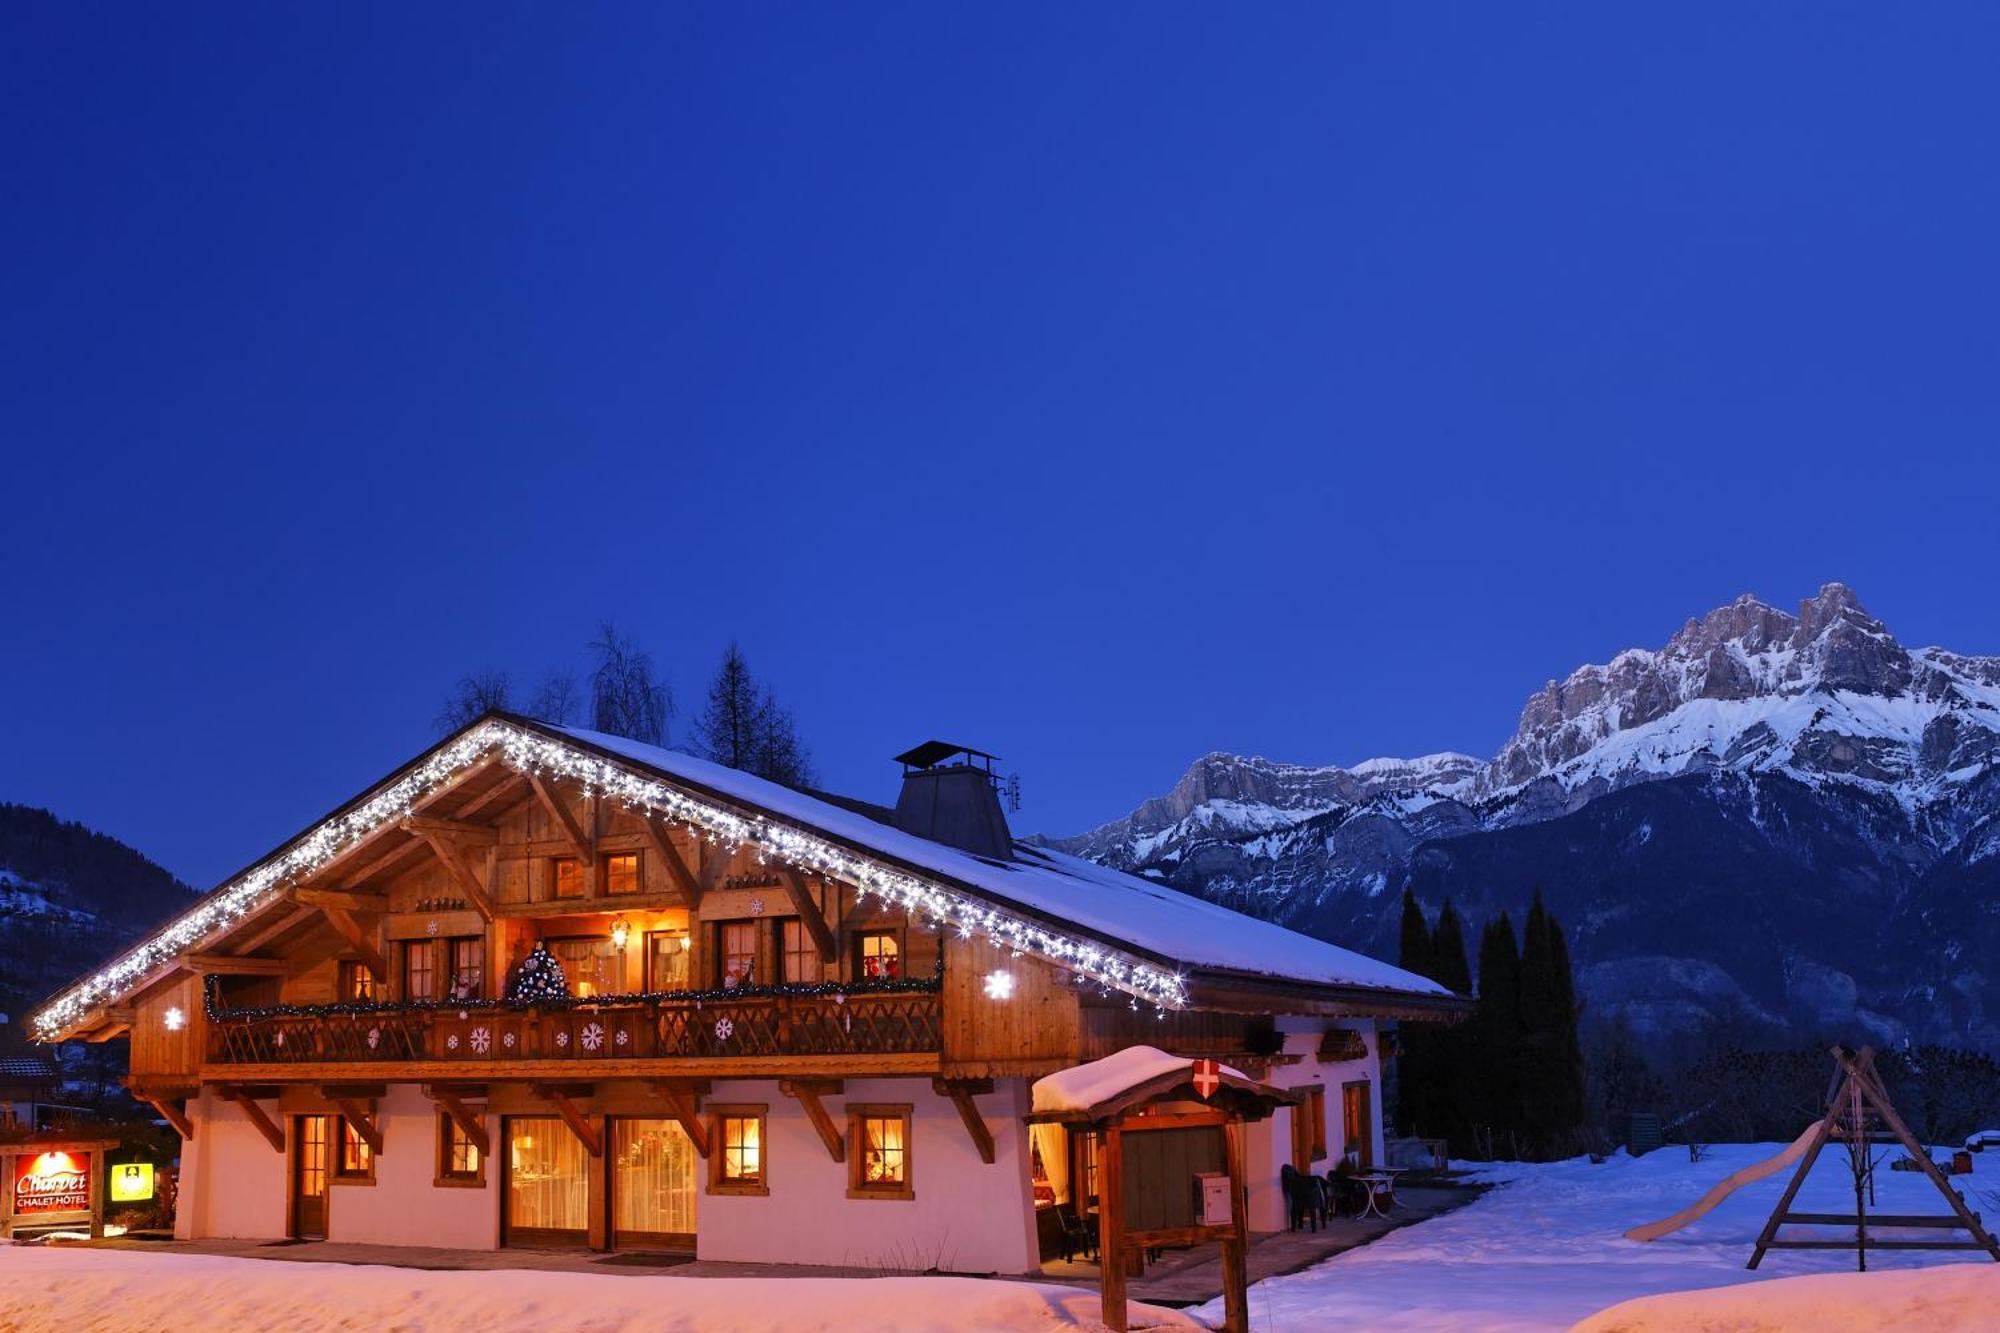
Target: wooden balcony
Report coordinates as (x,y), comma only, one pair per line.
(887,1031)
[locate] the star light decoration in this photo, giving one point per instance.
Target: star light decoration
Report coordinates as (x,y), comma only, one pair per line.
(531,752)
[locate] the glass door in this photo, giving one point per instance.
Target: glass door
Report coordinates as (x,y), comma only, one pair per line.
(653,1185)
(1357,1125)
(548,1184)
(309,1168)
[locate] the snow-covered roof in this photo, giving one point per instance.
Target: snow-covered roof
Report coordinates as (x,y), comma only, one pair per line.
(1174,927)
(1081,1087)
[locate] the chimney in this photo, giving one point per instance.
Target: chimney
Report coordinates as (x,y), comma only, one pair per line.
(950,795)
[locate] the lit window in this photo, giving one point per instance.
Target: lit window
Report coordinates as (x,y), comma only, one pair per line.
(736,1165)
(357,983)
(735,954)
(878,1152)
(666,960)
(355,1160)
(568,877)
(459,1161)
(468,966)
(881,955)
(621,873)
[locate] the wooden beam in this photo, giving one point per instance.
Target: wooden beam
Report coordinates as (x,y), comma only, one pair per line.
(962,1091)
(677,866)
(261,1122)
(465,875)
(468,1120)
(230,965)
(293,916)
(808,1092)
(347,900)
(176,1116)
(361,1115)
(683,1098)
(572,833)
(573,1116)
(808,909)
(360,939)
(425,825)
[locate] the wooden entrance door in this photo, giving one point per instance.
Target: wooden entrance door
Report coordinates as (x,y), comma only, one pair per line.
(653,1185)
(309,1172)
(1357,1124)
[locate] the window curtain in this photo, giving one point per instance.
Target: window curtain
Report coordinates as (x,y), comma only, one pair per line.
(1052,1142)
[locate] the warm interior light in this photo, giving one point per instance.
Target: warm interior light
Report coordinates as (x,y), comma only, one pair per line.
(175,1019)
(687,943)
(999,985)
(620,932)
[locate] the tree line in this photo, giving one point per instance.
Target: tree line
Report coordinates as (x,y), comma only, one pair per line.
(1508,1081)
(741,723)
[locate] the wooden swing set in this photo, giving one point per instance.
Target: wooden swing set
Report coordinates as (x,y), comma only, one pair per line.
(1858,1113)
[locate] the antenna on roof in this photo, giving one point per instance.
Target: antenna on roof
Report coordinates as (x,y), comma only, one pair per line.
(1012,792)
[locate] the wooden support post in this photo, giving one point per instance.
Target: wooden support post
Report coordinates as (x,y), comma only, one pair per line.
(347,900)
(683,1098)
(551,799)
(677,866)
(362,1116)
(1869,1087)
(174,1115)
(1236,1247)
(359,938)
(962,1091)
(808,1091)
(466,877)
(255,1113)
(231,965)
(579,1124)
(425,826)
(1111,1228)
(808,909)
(469,1121)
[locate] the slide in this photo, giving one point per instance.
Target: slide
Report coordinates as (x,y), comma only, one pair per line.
(1727,1186)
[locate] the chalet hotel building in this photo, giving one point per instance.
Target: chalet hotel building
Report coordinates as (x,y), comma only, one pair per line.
(788,1027)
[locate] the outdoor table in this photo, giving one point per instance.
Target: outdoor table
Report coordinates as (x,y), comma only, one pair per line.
(1380,1183)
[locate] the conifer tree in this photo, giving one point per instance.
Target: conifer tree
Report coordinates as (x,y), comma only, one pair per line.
(1496,1037)
(1416,1070)
(1552,1064)
(1452,1093)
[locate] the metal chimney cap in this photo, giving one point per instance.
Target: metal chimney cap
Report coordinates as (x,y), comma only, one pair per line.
(931,753)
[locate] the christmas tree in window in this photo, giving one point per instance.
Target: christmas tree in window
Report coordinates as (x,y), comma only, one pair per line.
(540,977)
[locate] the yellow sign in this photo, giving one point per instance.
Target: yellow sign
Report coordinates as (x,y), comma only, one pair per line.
(131,1182)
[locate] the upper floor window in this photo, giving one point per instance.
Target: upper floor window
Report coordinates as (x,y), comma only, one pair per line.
(568,877)
(589,964)
(621,873)
(798,955)
(881,954)
(667,953)
(356,984)
(420,970)
(735,953)
(467,960)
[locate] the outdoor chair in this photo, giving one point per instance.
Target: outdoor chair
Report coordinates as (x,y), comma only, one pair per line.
(1305,1197)
(1348,1195)
(1075,1235)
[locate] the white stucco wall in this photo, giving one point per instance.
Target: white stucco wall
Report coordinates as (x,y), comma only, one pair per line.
(232,1181)
(966,1216)
(405,1205)
(1269,1144)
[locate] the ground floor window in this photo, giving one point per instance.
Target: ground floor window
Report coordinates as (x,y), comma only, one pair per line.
(548,1183)
(1309,1128)
(1357,1125)
(459,1160)
(652,1183)
(736,1154)
(878,1152)
(354,1161)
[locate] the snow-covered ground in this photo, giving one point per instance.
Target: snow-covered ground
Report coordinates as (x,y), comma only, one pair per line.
(1962,1298)
(45,1288)
(1545,1249)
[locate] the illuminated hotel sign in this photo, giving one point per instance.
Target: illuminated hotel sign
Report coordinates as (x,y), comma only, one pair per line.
(53,1182)
(131,1181)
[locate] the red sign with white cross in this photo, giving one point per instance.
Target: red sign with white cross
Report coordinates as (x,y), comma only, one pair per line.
(1207,1078)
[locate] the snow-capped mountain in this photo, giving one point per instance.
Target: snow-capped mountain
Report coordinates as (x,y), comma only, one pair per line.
(1836,766)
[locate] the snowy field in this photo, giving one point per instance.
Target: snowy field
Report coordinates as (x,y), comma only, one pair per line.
(1545,1250)
(45,1288)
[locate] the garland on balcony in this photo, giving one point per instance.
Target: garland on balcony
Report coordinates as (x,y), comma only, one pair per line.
(838,991)
(528,751)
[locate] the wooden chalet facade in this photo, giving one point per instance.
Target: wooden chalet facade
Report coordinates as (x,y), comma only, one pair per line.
(797,1030)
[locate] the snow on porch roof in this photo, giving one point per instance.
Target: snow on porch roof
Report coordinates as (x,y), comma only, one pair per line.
(1103,1089)
(1177,927)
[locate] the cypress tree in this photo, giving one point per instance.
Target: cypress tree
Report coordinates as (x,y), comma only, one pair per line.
(1571,1106)
(1452,1091)
(1552,1063)
(1416,1072)
(1496,1036)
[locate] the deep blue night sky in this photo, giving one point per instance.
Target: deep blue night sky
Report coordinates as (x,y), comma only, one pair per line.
(1099,384)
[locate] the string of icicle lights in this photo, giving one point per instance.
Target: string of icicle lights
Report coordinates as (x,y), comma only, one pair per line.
(530,752)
